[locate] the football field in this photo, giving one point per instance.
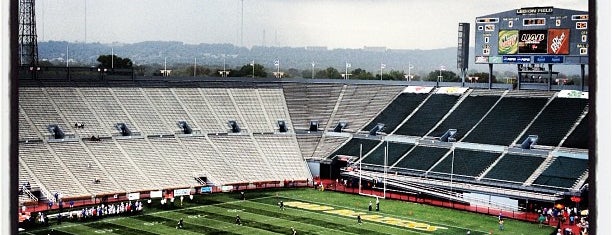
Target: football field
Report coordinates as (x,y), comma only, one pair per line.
(307,210)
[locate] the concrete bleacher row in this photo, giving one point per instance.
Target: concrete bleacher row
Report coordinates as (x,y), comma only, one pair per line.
(111,165)
(148,111)
(158,155)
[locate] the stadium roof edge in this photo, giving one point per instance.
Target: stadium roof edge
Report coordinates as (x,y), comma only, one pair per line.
(514,11)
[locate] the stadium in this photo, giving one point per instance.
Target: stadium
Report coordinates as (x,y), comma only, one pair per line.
(224,153)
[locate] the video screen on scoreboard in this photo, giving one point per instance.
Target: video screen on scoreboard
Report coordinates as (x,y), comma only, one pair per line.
(532,42)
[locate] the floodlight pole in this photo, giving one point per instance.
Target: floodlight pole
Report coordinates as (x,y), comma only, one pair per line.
(346,77)
(360,152)
(165,68)
(66,55)
(385,170)
(313,65)
(112,58)
(409,74)
(381,70)
(195,64)
(277,64)
(452,169)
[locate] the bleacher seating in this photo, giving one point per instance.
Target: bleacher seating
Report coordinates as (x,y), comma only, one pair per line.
(26,131)
(48,170)
(256,120)
(215,165)
(360,103)
(327,145)
(161,158)
(129,174)
(222,105)
(466,115)
(394,152)
(499,127)
(562,172)
(515,168)
(84,168)
(239,151)
(428,115)
(152,163)
(351,148)
(168,107)
(308,144)
(564,112)
(177,157)
(24,179)
(284,157)
(141,111)
(310,102)
(275,106)
(579,138)
(40,110)
(466,162)
(421,158)
(397,111)
(75,110)
(195,104)
(108,109)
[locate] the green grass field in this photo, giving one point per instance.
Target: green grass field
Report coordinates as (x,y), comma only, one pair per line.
(307,210)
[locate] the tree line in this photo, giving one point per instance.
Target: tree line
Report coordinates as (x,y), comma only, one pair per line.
(260,71)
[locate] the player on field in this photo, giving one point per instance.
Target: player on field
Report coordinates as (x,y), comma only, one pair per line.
(180,224)
(238,221)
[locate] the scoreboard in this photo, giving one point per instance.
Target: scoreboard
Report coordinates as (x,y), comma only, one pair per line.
(535,35)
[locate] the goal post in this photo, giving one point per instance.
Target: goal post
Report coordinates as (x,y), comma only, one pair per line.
(385,169)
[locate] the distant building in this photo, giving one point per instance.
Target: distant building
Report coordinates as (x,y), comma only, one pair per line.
(316,48)
(374,49)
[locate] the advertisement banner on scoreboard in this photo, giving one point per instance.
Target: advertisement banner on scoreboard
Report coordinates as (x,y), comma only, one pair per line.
(548,59)
(508,42)
(482,59)
(516,59)
(532,41)
(495,59)
(558,41)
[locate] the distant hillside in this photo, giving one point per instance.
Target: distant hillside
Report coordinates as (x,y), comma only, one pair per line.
(154,52)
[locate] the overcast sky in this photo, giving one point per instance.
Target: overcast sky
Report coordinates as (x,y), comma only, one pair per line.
(397,24)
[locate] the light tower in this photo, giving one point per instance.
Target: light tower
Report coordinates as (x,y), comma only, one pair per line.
(28,42)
